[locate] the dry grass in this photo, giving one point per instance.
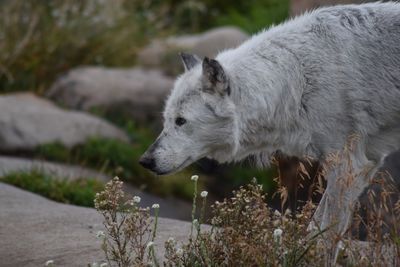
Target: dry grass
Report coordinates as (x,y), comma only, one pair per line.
(244,231)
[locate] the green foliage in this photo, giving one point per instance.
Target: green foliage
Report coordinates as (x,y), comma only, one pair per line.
(199,15)
(79,192)
(255,15)
(241,175)
(41,39)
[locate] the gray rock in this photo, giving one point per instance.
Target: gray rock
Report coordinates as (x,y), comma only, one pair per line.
(27,121)
(34,230)
(164,53)
(171,207)
(136,93)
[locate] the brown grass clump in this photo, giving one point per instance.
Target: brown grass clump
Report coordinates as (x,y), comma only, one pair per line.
(244,231)
(129,229)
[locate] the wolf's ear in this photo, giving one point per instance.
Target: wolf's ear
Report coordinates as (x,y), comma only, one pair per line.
(214,77)
(189,60)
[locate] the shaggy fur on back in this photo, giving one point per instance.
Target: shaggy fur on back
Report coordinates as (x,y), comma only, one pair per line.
(315,80)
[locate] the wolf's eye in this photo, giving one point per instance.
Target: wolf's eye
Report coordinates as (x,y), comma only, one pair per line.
(180,121)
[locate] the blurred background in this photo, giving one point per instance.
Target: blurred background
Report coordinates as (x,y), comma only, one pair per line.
(83,85)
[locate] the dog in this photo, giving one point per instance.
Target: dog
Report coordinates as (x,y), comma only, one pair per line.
(302,88)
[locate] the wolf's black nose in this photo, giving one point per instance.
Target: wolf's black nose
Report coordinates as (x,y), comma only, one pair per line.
(148,163)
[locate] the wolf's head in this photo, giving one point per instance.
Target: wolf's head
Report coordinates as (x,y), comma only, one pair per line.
(199,119)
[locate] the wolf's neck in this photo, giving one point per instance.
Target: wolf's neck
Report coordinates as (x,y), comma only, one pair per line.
(267,95)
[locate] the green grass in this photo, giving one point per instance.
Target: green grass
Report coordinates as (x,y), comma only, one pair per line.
(79,192)
(118,158)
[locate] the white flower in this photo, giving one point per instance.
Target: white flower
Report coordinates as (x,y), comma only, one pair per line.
(277,213)
(150,244)
(136,199)
(100,234)
(179,252)
(95,264)
(104,264)
(195,222)
(155,206)
(340,245)
(204,194)
(312,227)
(49,263)
(277,235)
(170,240)
(194,178)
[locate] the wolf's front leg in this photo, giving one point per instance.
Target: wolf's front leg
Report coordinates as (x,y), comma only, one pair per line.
(347,177)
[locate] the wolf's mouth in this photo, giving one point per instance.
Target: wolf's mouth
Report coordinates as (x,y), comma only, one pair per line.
(185,163)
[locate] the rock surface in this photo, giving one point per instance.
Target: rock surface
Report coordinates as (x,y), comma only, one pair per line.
(136,93)
(171,207)
(28,121)
(34,230)
(164,53)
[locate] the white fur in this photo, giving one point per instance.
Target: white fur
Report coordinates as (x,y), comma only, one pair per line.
(303,88)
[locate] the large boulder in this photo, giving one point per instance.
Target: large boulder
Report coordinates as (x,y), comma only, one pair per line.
(164,53)
(34,230)
(136,93)
(27,121)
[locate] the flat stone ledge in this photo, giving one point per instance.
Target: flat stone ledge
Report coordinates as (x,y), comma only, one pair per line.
(34,229)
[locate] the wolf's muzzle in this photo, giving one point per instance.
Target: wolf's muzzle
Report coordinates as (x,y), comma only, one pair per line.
(148,162)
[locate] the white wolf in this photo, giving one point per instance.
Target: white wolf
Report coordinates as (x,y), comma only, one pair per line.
(302,88)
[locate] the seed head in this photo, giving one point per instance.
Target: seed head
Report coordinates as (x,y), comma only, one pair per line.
(49,263)
(150,244)
(136,199)
(278,235)
(100,234)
